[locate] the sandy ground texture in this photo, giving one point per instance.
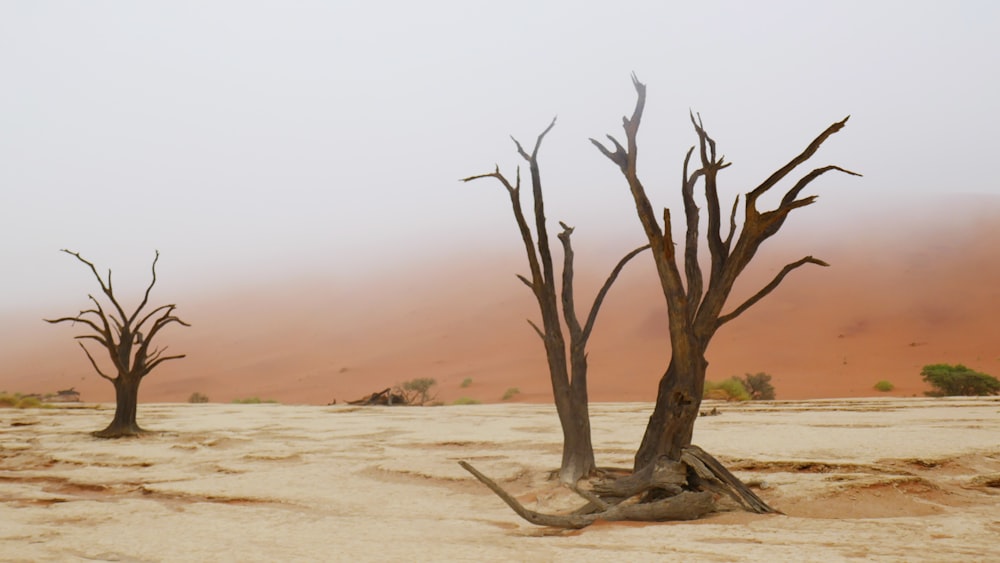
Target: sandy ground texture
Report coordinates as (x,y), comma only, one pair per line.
(859,479)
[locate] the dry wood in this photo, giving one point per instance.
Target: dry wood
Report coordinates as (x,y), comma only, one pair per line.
(129,349)
(694,307)
(684,506)
(567,373)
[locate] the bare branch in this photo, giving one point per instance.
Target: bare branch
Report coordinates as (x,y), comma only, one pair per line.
(93,363)
(525,281)
(149,367)
(522,224)
(538,331)
(74,320)
(732,223)
(538,143)
(568,303)
(692,269)
(768,288)
(619,157)
(145,298)
(592,317)
(808,178)
(784,170)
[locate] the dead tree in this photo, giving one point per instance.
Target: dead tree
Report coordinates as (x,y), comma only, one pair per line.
(130,350)
(671,477)
(695,311)
(568,375)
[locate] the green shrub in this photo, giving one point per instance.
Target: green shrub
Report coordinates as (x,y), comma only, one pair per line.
(731,389)
(466,382)
(950,380)
(8,400)
(758,386)
(510,393)
(418,391)
(884,386)
(253,401)
(29,403)
(197,397)
(466,401)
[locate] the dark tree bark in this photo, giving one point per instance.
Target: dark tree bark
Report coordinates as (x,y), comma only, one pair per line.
(568,374)
(695,312)
(129,350)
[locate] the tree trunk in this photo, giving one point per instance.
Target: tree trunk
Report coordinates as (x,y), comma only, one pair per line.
(578,450)
(671,425)
(126,403)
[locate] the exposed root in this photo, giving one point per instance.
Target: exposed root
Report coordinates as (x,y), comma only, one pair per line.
(671,490)
(684,506)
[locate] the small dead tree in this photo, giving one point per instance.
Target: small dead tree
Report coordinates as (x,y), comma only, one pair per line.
(130,350)
(568,375)
(672,479)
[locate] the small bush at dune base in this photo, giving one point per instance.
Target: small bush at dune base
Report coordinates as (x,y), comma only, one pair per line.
(731,389)
(758,385)
(417,391)
(29,403)
(252,401)
(884,386)
(466,382)
(510,393)
(466,401)
(197,397)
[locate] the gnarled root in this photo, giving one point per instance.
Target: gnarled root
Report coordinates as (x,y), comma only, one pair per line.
(673,490)
(684,506)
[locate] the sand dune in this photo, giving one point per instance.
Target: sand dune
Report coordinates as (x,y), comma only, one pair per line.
(921,288)
(868,479)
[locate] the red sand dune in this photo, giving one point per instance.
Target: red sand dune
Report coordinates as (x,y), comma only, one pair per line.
(922,288)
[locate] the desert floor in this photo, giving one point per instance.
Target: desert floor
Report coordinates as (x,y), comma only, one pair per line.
(859,479)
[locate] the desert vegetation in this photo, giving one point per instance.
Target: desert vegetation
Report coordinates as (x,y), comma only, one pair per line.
(197,397)
(19,401)
(417,391)
(884,386)
(510,393)
(252,401)
(952,380)
(731,389)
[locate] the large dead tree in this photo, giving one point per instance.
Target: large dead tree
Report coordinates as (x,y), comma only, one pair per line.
(695,311)
(671,477)
(568,375)
(129,349)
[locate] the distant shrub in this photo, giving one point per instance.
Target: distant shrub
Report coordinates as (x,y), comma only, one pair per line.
(252,401)
(197,397)
(466,401)
(9,400)
(418,391)
(758,386)
(731,389)
(29,402)
(466,382)
(510,393)
(884,386)
(950,380)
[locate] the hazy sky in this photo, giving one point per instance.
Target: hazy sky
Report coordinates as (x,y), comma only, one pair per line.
(256,138)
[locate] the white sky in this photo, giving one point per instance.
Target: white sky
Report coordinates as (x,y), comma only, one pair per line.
(260,138)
